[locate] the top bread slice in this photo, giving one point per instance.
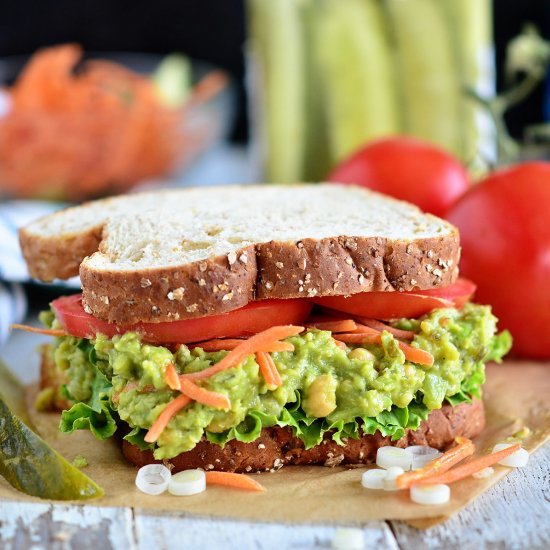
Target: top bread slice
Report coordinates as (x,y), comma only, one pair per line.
(182,254)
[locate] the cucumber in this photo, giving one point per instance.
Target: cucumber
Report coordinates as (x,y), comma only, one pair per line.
(357,80)
(276,45)
(317,159)
(427,71)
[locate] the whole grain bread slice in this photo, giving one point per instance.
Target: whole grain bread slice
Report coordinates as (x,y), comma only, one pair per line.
(182,254)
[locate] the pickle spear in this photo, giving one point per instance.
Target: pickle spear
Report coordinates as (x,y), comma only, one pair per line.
(30,465)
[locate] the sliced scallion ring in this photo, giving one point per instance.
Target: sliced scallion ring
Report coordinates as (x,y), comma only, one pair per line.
(386,457)
(188,482)
(374,479)
(392,474)
(516,460)
(153,479)
(347,538)
(430,494)
(421,455)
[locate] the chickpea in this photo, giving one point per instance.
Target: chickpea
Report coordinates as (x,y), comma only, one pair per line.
(362,354)
(320,397)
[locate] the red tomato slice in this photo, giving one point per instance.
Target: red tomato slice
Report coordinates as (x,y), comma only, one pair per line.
(251,319)
(393,305)
(459,292)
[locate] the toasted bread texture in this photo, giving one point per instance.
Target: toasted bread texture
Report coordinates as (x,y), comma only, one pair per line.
(277,447)
(183,254)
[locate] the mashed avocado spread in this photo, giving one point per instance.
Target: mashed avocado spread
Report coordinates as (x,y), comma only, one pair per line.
(371,387)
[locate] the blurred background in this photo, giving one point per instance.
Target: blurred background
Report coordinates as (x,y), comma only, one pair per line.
(400,66)
(216,31)
(98,98)
(213,30)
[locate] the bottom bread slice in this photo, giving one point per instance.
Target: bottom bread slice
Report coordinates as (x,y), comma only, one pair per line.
(277,447)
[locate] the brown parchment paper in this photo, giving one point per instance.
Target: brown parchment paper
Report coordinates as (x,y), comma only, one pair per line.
(516,395)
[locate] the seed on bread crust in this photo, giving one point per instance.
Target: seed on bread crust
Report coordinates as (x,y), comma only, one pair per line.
(232,257)
(176,294)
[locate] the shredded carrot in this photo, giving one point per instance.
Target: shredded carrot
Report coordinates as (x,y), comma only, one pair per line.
(268,369)
(235,481)
(360,338)
(412,354)
(364,329)
(165,416)
(340,344)
(462,450)
(417,355)
(466,470)
(228,344)
(121,133)
(278,346)
(378,325)
(172,377)
(202,395)
(258,342)
(336,325)
(217,344)
(38,330)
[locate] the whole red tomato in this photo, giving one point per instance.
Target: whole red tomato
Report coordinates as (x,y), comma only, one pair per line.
(407,169)
(504,227)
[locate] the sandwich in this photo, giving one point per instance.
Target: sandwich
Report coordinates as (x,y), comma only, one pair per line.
(246,328)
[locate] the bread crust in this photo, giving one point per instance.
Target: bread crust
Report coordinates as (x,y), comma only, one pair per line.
(56,257)
(277,447)
(190,291)
(347,265)
(328,267)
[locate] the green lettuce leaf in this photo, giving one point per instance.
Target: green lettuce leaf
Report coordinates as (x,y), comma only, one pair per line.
(137,437)
(471,387)
(96,414)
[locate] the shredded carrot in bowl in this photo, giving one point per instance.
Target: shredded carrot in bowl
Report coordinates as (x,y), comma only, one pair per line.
(73,134)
